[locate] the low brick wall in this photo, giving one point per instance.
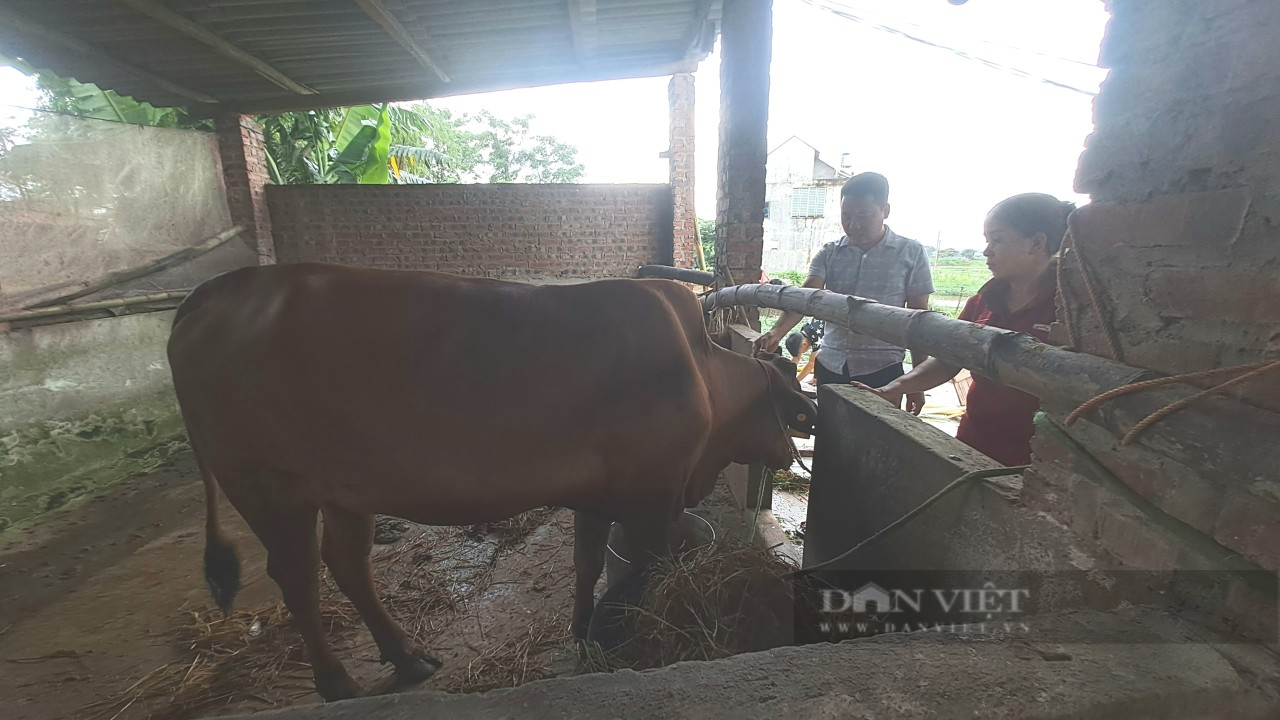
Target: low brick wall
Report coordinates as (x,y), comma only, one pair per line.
(514,231)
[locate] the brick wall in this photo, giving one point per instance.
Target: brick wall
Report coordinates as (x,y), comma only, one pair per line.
(680,96)
(746,41)
(244,170)
(1183,238)
(1183,244)
(505,231)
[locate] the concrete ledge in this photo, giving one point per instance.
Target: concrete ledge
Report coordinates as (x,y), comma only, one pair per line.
(769,534)
(1160,674)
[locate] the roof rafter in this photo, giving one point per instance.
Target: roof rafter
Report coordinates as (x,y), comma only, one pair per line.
(698,27)
(393,27)
(162,14)
(36,31)
(582,29)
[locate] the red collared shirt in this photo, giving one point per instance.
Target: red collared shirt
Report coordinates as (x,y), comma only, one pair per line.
(998,420)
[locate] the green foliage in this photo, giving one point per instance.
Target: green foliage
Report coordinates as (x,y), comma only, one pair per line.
(360,144)
(791,277)
(412,144)
(707,237)
(69,97)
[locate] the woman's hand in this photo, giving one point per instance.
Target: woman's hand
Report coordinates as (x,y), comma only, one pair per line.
(915,400)
(882,393)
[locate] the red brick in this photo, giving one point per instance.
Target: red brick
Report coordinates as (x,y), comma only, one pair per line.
(1239,295)
(507,230)
(1133,540)
(1251,526)
(1211,219)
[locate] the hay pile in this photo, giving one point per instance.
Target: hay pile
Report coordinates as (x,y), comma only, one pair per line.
(517,660)
(788,481)
(718,600)
(251,653)
(256,655)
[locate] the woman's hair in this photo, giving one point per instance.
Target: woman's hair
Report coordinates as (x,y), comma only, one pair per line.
(1031,213)
(793,344)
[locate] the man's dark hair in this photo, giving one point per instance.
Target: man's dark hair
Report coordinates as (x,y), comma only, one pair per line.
(1031,213)
(867,185)
(793,344)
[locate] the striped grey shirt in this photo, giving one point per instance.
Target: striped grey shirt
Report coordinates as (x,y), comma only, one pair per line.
(892,271)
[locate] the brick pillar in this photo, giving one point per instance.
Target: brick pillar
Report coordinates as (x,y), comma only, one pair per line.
(746,33)
(244,172)
(680,94)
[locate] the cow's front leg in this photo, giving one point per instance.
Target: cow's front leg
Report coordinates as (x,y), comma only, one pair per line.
(590,538)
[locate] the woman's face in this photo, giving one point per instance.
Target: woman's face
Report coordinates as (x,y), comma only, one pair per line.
(1010,254)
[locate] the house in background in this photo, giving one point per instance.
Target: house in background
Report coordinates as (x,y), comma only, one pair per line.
(802,204)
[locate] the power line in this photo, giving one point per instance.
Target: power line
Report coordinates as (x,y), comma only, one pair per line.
(1073,61)
(957,52)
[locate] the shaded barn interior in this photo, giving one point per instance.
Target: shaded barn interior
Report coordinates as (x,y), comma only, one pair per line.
(1173,269)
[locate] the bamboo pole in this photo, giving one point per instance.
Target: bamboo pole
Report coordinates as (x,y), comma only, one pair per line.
(1014,359)
(54,310)
(1062,380)
(121,276)
(666,272)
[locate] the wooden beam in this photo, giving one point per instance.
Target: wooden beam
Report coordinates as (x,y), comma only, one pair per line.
(582,29)
(381,15)
(697,28)
(666,272)
(39,33)
(148,268)
(164,15)
(422,89)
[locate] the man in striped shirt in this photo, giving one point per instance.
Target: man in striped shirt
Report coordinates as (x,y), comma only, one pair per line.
(873,262)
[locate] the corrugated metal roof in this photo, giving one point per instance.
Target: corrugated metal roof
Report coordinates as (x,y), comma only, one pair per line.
(264,55)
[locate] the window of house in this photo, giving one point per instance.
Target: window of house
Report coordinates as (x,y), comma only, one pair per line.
(808,201)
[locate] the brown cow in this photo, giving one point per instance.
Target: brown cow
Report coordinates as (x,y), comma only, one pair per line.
(313,388)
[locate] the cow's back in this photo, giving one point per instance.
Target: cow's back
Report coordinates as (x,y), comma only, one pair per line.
(320,370)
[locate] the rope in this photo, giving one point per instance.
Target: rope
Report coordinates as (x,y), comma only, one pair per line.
(1147,384)
(1250,372)
(962,480)
(1171,408)
(1066,299)
(1094,298)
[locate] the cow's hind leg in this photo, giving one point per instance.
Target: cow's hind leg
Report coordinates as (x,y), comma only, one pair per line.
(348,537)
(590,539)
(293,562)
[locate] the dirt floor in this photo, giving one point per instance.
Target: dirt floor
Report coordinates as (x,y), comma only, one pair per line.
(104,612)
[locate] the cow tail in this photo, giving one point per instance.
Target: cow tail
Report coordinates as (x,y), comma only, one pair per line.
(221,564)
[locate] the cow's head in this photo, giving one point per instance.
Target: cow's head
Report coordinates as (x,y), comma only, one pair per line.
(779,411)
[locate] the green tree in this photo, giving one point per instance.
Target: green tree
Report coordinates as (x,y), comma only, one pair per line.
(508,152)
(707,237)
(383,143)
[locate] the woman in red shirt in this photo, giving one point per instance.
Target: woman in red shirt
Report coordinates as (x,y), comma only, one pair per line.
(1023,235)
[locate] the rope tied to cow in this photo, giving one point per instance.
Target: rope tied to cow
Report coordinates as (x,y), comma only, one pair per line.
(1243,373)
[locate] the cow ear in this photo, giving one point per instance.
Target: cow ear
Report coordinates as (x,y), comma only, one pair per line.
(785,366)
(800,413)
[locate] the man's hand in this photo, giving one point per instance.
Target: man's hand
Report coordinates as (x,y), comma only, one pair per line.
(915,402)
(765,343)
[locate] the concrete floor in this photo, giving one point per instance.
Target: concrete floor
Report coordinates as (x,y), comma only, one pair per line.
(1160,672)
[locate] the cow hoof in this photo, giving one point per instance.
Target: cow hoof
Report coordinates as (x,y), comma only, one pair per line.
(417,669)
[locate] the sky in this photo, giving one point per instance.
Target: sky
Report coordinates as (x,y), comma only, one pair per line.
(953,135)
